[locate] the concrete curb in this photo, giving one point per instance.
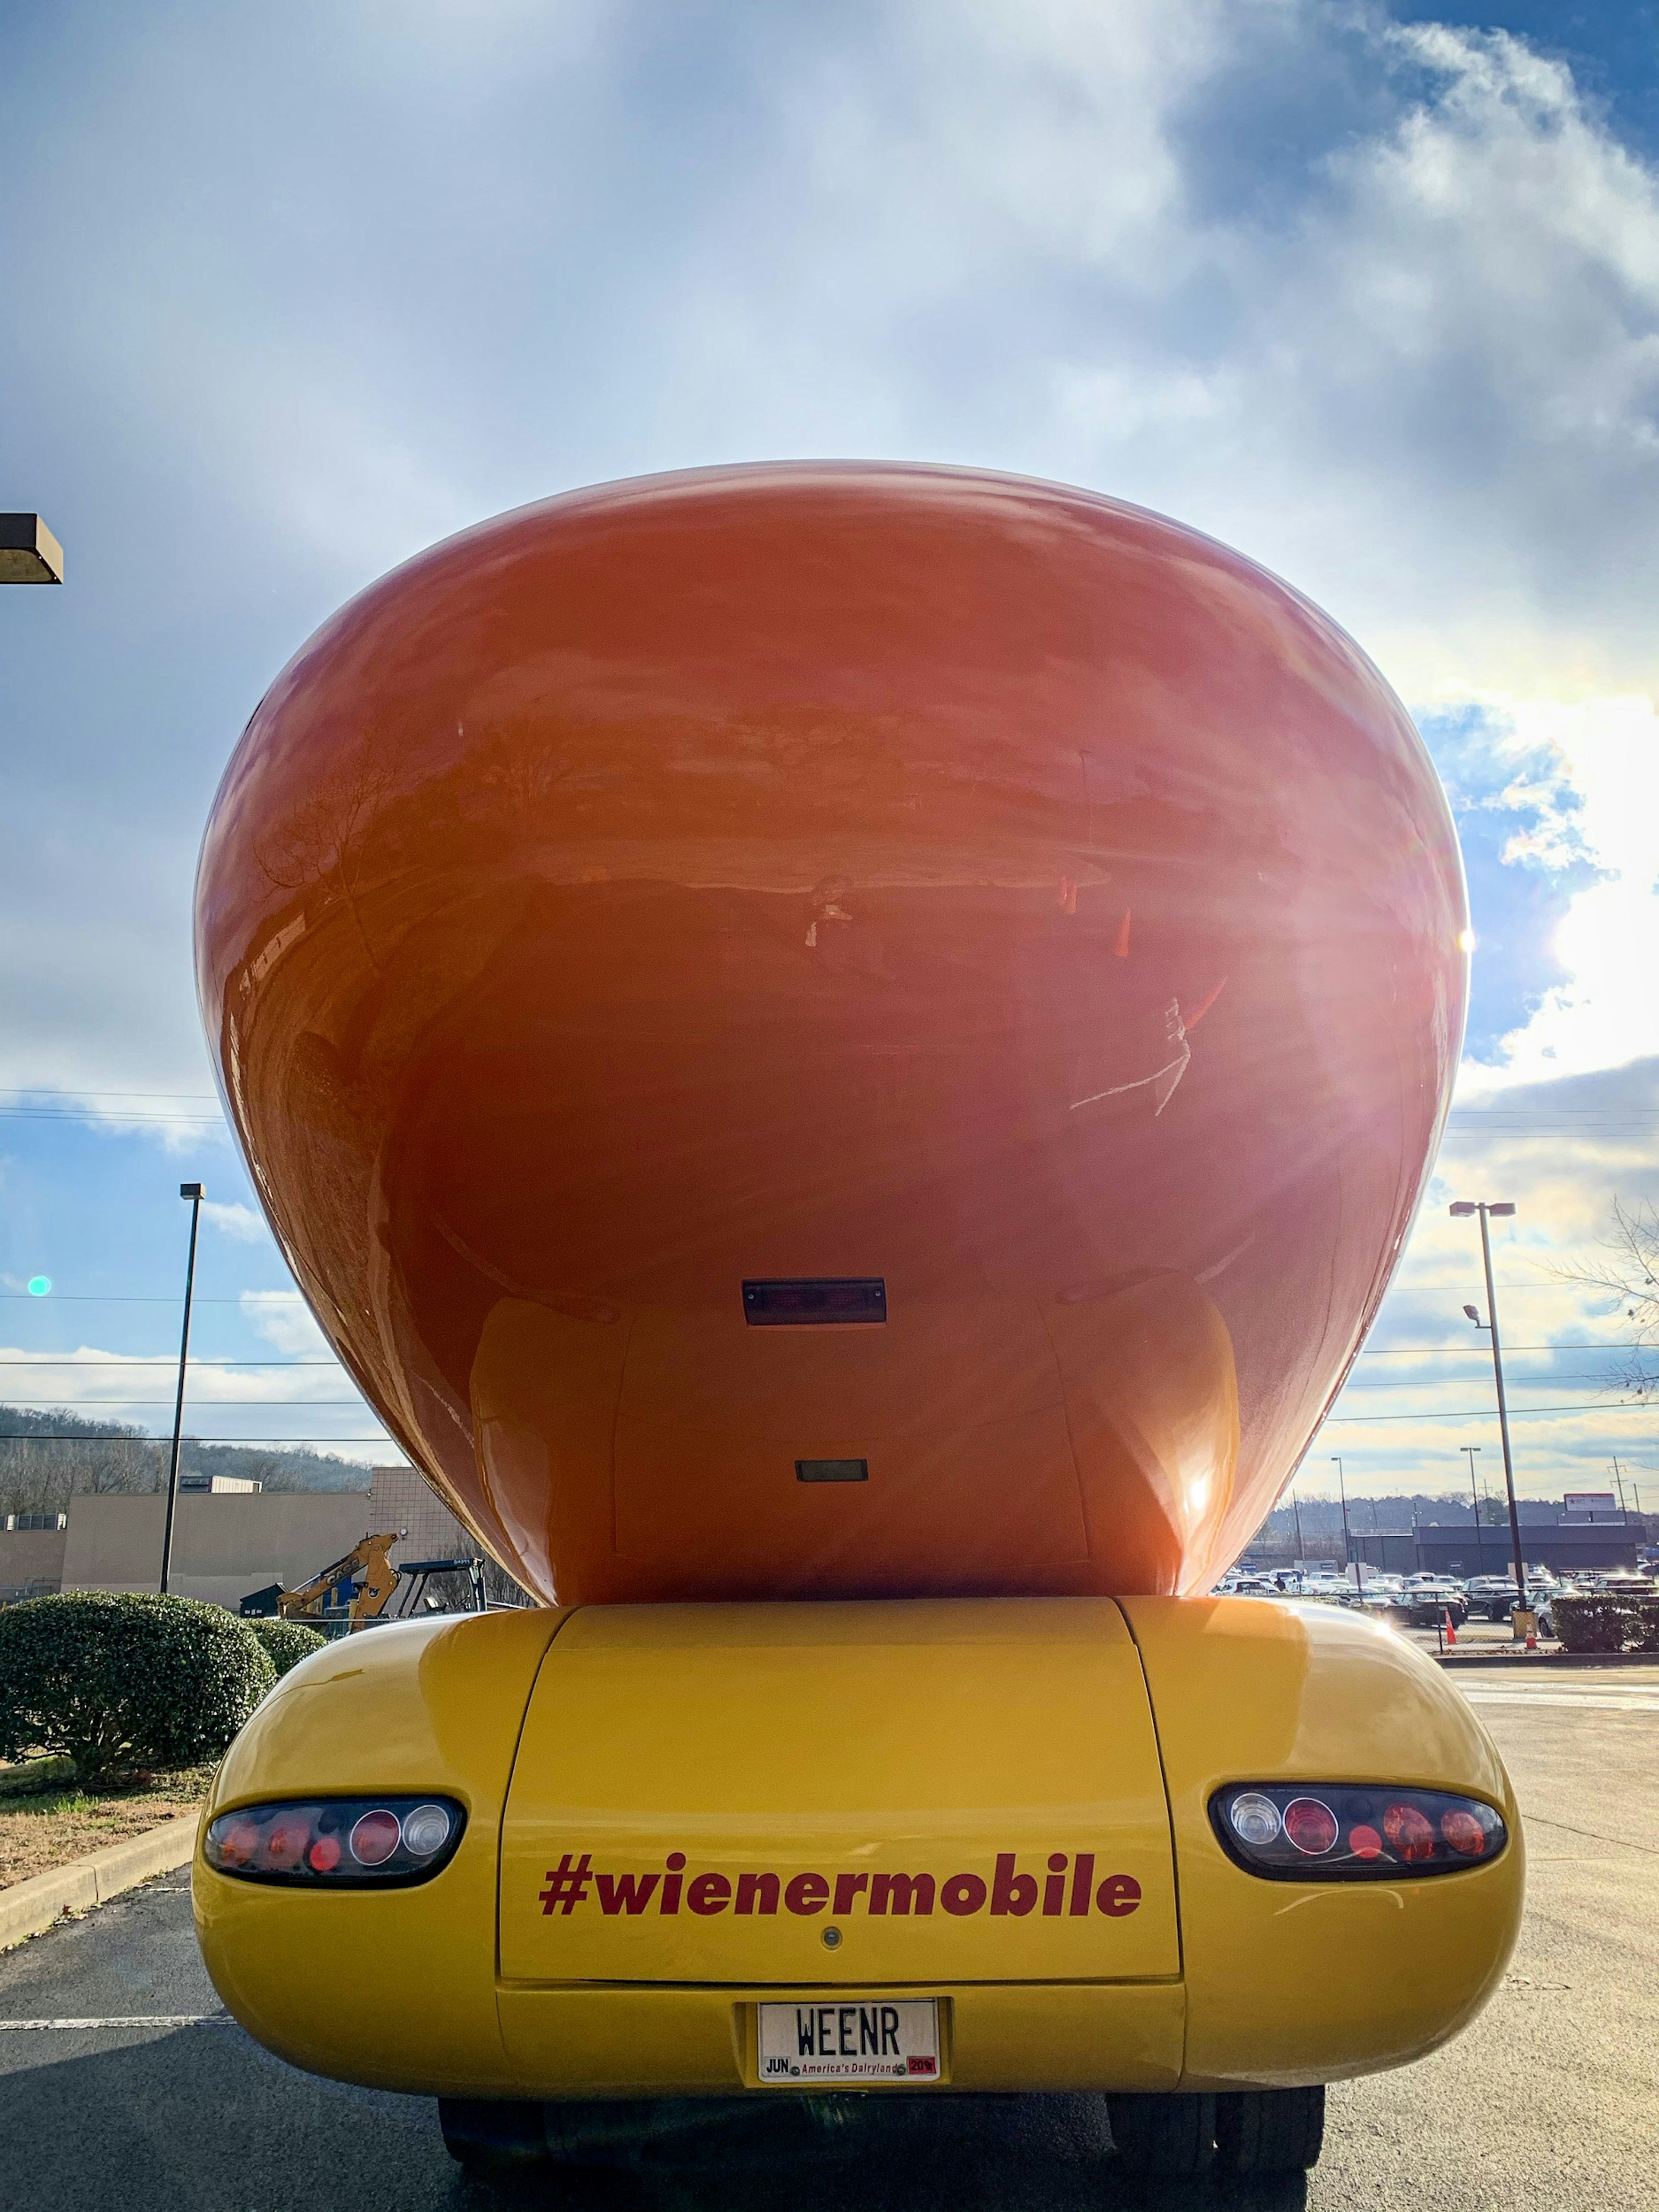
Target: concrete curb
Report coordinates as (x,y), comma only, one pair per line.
(1531,1659)
(28,1908)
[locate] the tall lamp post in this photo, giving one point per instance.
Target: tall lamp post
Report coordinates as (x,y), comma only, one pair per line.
(1499,1210)
(1347,1546)
(195,1193)
(1468,1452)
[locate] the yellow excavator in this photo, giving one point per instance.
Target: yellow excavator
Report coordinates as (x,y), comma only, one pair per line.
(366,1572)
(359,1587)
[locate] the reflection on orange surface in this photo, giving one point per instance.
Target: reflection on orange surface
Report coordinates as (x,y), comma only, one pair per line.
(828,872)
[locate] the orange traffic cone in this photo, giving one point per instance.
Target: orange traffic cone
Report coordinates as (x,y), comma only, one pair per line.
(1451,1633)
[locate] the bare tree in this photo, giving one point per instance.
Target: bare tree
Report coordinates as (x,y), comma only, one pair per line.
(1628,1274)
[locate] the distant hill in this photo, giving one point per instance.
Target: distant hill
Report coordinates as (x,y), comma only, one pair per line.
(47,1458)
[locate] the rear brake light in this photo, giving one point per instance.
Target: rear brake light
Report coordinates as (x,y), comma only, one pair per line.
(1336,1832)
(336,1843)
(1310,1826)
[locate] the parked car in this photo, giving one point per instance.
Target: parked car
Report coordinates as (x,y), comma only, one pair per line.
(1426,1602)
(1331,1589)
(1494,1595)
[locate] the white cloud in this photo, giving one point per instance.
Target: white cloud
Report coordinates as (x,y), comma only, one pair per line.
(139,1389)
(1560,1152)
(1379,305)
(1603,806)
(236,1220)
(283,1319)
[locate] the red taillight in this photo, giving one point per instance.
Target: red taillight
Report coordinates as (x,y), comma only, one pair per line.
(1410,1833)
(375,1838)
(285,1846)
(1311,1825)
(1464,1833)
(331,1842)
(239,1843)
(1352,1832)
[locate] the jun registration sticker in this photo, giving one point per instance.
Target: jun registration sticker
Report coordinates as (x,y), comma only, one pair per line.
(854,2039)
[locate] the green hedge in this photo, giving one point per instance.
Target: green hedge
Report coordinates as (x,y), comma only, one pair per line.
(1607,1620)
(120,1682)
(285,1642)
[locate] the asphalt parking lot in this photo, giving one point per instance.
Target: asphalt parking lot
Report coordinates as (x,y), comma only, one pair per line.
(1550,2102)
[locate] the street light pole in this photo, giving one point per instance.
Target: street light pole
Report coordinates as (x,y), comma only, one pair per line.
(1347,1546)
(1486,1208)
(1469,1451)
(1296,1513)
(195,1193)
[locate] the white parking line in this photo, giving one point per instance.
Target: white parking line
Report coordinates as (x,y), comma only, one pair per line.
(128,2020)
(1594,1701)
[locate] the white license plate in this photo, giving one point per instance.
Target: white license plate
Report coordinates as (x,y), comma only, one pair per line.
(850,2039)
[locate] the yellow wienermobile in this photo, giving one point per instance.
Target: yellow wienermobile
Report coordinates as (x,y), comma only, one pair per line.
(845,1053)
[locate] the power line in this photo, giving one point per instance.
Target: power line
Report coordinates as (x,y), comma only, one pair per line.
(1452,1382)
(30,1437)
(1487,1413)
(49,1404)
(1457,1352)
(115,1114)
(61,1090)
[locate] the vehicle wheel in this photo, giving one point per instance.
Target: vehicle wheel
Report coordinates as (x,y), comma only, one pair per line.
(1166,2134)
(1269,2130)
(489,2135)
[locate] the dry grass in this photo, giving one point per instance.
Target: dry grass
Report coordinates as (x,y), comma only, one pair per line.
(43,1827)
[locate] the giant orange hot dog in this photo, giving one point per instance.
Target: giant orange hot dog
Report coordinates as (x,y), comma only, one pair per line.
(838,1030)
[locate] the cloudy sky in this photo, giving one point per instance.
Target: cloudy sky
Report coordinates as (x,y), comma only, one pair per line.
(1371,294)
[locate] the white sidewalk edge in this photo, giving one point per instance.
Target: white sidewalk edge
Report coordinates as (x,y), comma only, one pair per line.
(28,1908)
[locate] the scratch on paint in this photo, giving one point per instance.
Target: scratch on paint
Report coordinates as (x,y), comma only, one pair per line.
(1164,1080)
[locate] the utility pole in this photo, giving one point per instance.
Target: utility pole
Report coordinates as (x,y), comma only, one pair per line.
(1296,1513)
(1347,1545)
(1469,1451)
(1502,1208)
(1620,1479)
(195,1193)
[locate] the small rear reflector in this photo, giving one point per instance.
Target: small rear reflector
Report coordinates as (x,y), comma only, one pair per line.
(810,1301)
(832,1470)
(1338,1832)
(336,1843)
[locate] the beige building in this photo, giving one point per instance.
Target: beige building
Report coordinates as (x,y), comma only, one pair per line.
(224,1544)
(30,1562)
(227,1542)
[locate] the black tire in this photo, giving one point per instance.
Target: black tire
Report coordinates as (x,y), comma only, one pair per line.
(1173,2136)
(1269,2130)
(489,2136)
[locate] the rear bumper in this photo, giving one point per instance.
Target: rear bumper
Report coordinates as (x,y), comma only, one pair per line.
(586,2042)
(465,1987)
